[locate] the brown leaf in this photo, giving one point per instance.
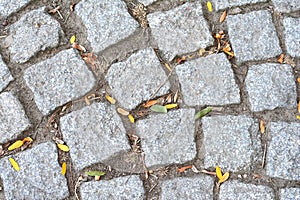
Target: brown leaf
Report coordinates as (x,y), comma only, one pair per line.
(281,58)
(298,80)
(78,47)
(122,111)
(182,169)
(262,126)
(72,5)
(298,106)
(223,16)
(150,103)
(181,60)
(90,58)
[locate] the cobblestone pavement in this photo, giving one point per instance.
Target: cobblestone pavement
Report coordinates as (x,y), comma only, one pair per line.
(95,94)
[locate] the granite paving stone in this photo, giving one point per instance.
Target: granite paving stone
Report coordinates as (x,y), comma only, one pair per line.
(283,155)
(39,176)
(222,4)
(127,187)
(5,76)
(200,188)
(168,138)
(180,30)
(208,80)
(106,22)
(270,86)
(137,78)
(253,36)
(289,194)
(40,30)
(58,80)
(13,119)
(229,141)
(286,5)
(93,134)
(292,35)
(7,7)
(232,190)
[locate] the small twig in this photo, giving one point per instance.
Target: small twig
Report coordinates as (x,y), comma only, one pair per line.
(76,186)
(208,172)
(3,36)
(264,156)
(153,187)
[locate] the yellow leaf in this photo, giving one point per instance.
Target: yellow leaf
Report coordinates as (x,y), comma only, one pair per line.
(14,164)
(72,39)
(27,139)
(224,178)
(64,168)
(131,118)
(219,172)
(298,79)
(168,67)
(209,6)
(63,147)
(229,53)
(110,99)
(15,145)
(172,105)
(298,117)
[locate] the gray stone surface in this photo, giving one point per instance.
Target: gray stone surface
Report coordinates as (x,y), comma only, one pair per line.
(40,30)
(208,81)
(39,176)
(229,141)
(93,134)
(270,86)
(181,188)
(13,119)
(137,78)
(7,7)
(283,155)
(180,30)
(289,194)
(253,36)
(292,35)
(127,187)
(59,80)
(5,76)
(232,190)
(147,2)
(107,22)
(286,5)
(222,4)
(168,138)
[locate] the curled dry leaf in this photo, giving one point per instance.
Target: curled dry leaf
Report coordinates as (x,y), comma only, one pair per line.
(298,106)
(15,145)
(14,164)
(122,111)
(64,168)
(281,58)
(63,147)
(72,5)
(78,47)
(172,105)
(110,99)
(298,80)
(27,139)
(223,16)
(224,178)
(219,172)
(209,6)
(182,169)
(150,103)
(131,118)
(262,126)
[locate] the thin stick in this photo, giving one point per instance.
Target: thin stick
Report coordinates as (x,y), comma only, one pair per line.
(264,156)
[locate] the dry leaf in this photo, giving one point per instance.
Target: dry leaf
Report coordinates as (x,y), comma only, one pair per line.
(257,176)
(208,172)
(299,106)
(229,53)
(14,164)
(78,47)
(281,58)
(201,51)
(172,105)
(72,39)
(97,178)
(181,60)
(223,16)
(182,169)
(110,99)
(298,117)
(15,145)
(219,172)
(63,147)
(209,6)
(64,168)
(72,5)
(298,80)
(54,10)
(27,139)
(122,111)
(150,103)
(168,67)
(262,126)
(224,178)
(90,58)
(175,97)
(131,118)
